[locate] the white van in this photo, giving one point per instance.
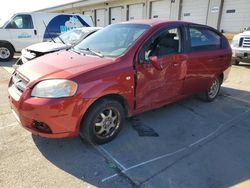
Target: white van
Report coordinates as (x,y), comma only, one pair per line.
(25,29)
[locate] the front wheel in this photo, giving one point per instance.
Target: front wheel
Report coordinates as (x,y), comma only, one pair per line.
(102,122)
(213,91)
(6,52)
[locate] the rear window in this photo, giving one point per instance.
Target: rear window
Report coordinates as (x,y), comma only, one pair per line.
(202,39)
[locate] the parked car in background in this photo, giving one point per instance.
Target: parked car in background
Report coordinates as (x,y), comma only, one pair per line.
(25,29)
(62,42)
(241,47)
(121,70)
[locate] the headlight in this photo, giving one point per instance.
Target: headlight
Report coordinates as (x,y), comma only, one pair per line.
(27,54)
(55,88)
(236,41)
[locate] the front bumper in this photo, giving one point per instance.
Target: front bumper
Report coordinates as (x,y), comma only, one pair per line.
(61,116)
(241,54)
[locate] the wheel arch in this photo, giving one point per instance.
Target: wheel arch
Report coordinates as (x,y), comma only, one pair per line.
(113,96)
(7,42)
(117,97)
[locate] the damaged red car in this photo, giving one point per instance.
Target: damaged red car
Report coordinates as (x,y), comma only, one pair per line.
(120,71)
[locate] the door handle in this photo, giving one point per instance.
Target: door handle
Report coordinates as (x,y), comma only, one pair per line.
(35,31)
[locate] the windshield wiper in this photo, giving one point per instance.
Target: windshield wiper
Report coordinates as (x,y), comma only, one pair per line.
(92,51)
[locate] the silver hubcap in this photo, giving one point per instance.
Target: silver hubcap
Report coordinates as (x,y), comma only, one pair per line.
(107,122)
(4,53)
(214,88)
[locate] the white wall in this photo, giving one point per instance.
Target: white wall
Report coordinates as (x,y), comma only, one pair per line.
(201,11)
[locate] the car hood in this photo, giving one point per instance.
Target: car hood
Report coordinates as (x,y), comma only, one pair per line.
(63,64)
(45,47)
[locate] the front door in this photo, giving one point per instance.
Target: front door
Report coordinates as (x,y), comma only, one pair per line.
(157,87)
(22,31)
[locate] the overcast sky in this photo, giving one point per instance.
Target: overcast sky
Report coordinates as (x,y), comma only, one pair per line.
(13,6)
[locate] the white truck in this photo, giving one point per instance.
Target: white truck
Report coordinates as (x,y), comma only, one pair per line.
(241,47)
(25,29)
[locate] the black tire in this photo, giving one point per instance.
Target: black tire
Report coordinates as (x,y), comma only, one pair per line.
(6,50)
(89,129)
(208,96)
(235,62)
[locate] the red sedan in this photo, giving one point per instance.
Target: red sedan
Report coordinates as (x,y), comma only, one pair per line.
(120,71)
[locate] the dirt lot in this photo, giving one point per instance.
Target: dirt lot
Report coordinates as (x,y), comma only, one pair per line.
(186,144)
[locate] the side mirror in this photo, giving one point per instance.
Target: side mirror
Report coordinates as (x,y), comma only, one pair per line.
(155,62)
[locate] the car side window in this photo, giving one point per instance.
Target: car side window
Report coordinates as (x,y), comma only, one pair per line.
(21,22)
(202,39)
(166,43)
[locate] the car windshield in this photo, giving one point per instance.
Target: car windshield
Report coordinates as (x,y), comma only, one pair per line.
(248,29)
(72,37)
(112,41)
(4,20)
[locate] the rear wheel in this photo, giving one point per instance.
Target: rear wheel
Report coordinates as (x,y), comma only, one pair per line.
(213,91)
(6,52)
(103,121)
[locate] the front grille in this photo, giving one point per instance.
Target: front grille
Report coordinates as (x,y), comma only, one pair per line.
(18,83)
(246,42)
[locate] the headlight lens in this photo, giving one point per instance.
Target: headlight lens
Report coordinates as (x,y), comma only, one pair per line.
(236,41)
(55,88)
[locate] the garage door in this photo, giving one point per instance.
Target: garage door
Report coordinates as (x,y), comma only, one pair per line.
(194,11)
(115,15)
(100,17)
(135,11)
(160,9)
(235,15)
(88,12)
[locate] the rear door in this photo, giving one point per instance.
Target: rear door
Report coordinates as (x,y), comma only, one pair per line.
(158,87)
(207,58)
(22,31)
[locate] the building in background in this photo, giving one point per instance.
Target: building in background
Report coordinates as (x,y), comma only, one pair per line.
(226,15)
